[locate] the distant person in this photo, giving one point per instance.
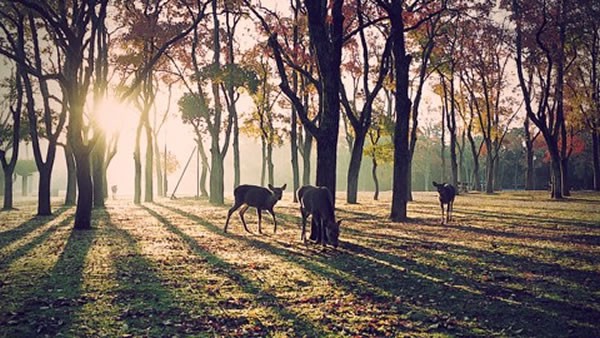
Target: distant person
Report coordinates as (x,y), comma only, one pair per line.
(113,189)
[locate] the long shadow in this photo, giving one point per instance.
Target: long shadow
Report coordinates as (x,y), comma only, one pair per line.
(147,305)
(582,239)
(301,327)
(51,306)
(324,265)
(486,214)
(492,310)
(41,238)
(9,236)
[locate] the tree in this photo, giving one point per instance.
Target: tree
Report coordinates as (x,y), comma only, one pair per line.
(24,37)
(361,120)
(402,109)
(540,51)
(325,25)
(10,135)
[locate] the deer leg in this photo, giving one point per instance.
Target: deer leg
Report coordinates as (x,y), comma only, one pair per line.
(231,211)
(242,211)
(442,206)
(450,210)
(259,214)
(274,221)
(322,226)
(303,233)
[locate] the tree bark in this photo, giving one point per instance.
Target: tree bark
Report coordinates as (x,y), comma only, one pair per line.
(148,173)
(98,177)
(354,167)
(596,158)
(402,110)
(375,179)
(137,166)
(71,194)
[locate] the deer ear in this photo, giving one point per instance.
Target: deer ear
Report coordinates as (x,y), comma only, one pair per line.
(284,186)
(435,184)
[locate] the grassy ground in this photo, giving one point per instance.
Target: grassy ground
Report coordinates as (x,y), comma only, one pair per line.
(510,264)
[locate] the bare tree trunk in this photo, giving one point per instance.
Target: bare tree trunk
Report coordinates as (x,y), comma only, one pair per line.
(98,177)
(375,179)
(354,167)
(307,150)
(148,174)
(71,194)
(137,159)
(596,158)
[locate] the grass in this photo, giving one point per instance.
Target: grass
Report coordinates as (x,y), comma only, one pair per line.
(509,264)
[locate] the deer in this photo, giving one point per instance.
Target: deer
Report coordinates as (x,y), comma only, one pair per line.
(261,198)
(318,203)
(447,193)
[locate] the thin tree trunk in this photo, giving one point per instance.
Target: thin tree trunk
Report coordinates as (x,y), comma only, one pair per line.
(137,159)
(596,158)
(71,194)
(148,174)
(263,166)
(270,166)
(98,177)
(8,190)
(83,214)
(375,179)
(354,167)
(307,146)
(489,185)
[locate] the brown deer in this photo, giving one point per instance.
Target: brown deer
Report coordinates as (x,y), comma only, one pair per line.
(318,202)
(447,193)
(258,197)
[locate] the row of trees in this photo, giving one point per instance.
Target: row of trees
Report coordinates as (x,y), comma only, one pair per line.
(366,64)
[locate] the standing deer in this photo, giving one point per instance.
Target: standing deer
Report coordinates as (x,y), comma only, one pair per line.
(254,196)
(447,193)
(318,202)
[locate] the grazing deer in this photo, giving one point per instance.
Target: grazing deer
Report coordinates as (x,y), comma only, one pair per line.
(318,202)
(447,193)
(258,197)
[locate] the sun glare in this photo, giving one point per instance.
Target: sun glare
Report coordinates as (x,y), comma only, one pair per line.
(113,114)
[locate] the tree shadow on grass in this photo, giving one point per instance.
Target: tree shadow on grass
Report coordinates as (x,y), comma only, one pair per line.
(437,299)
(9,236)
(50,307)
(39,239)
(147,308)
(301,327)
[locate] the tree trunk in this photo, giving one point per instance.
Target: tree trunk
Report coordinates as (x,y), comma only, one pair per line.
(263,161)
(489,185)
(159,172)
(217,185)
(24,186)
(203,173)
(71,193)
(402,111)
(354,167)
(530,167)
(98,172)
(44,207)
(307,146)
(137,165)
(596,158)
(148,173)
(294,150)
(83,213)
(270,166)
(375,179)
(564,176)
(236,149)
(8,190)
